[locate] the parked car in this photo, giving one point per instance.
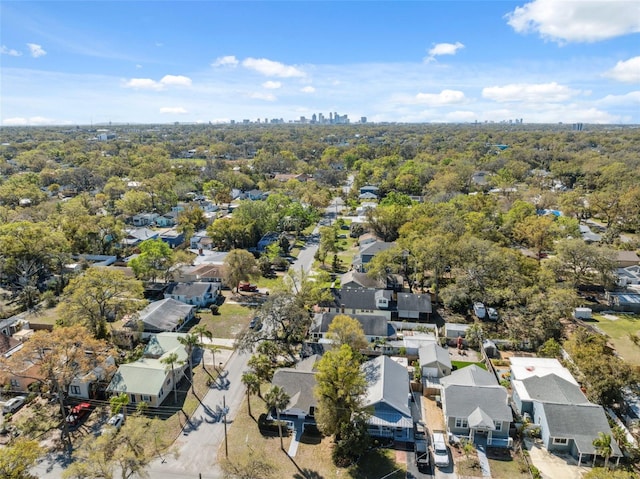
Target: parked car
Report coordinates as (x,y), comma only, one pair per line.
(13,404)
(255,323)
(113,424)
(440,449)
(247,287)
(479,310)
(78,413)
(421,447)
(492,314)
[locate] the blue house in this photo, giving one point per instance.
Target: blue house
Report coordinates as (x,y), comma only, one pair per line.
(388,396)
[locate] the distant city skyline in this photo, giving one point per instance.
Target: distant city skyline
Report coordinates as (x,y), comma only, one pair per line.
(543,61)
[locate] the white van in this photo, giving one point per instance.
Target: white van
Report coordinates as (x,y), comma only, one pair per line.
(440,449)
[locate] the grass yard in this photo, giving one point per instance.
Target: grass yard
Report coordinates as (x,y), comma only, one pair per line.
(250,450)
(507,464)
(464,364)
(618,330)
(232,318)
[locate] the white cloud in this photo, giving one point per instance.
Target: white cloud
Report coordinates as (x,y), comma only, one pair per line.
(529,92)
(577,21)
(228,60)
(308,89)
(9,51)
(271,68)
(36,50)
(143,84)
(258,95)
(173,109)
(149,84)
(443,49)
(138,66)
(176,80)
(31,121)
(631,98)
(626,71)
(272,85)
(445,97)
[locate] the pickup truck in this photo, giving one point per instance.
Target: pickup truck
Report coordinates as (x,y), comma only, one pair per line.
(247,287)
(78,413)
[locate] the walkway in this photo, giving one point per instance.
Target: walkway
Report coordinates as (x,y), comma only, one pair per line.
(298,429)
(481,449)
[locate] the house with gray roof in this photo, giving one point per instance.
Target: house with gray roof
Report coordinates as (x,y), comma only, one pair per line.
(374,327)
(197,293)
(299,383)
(352,301)
(148,379)
(135,236)
(367,252)
(434,361)
(546,392)
(387,398)
(166,315)
(475,404)
(413,306)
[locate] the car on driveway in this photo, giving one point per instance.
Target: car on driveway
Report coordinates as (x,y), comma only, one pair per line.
(252,288)
(492,313)
(13,404)
(440,449)
(113,424)
(255,323)
(78,413)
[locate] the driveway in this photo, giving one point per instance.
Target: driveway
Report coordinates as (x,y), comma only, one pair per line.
(553,466)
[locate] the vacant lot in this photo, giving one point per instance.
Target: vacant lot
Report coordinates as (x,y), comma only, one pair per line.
(619,328)
(229,321)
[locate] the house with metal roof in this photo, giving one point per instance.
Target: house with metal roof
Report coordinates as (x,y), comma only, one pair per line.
(148,379)
(474,404)
(387,398)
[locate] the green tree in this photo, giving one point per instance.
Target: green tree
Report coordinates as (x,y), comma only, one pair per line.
(278,399)
(550,349)
(538,232)
(155,259)
(328,243)
(603,447)
(353,442)
(240,265)
(602,473)
(170,361)
(347,330)
(119,403)
(203,332)
(252,382)
(340,389)
(18,457)
(100,295)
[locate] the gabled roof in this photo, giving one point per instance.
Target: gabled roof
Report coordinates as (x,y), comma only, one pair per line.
(552,388)
(165,315)
(372,249)
(580,422)
(479,418)
(463,400)
(434,354)
(141,234)
(388,383)
(360,298)
(414,302)
(470,376)
(299,385)
(361,279)
(190,290)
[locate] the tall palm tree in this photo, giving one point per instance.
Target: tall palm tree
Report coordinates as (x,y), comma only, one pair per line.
(603,447)
(277,398)
(252,383)
(170,360)
(190,341)
(202,331)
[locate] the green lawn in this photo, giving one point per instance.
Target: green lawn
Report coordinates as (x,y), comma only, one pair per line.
(464,364)
(232,318)
(618,330)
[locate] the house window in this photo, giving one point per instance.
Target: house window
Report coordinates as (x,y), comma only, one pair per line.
(160,393)
(146,398)
(560,441)
(15,383)
(461,423)
(169,380)
(497,425)
(74,390)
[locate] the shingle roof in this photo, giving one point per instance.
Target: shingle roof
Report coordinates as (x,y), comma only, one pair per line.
(299,385)
(582,423)
(470,376)
(462,401)
(432,354)
(372,249)
(552,388)
(388,382)
(359,298)
(189,290)
(414,302)
(361,279)
(165,315)
(372,325)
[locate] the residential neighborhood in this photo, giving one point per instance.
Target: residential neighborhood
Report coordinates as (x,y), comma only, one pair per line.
(287,316)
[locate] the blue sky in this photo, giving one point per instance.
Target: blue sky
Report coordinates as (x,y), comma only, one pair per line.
(545,61)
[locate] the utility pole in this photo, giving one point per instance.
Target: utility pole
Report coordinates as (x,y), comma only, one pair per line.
(224,411)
